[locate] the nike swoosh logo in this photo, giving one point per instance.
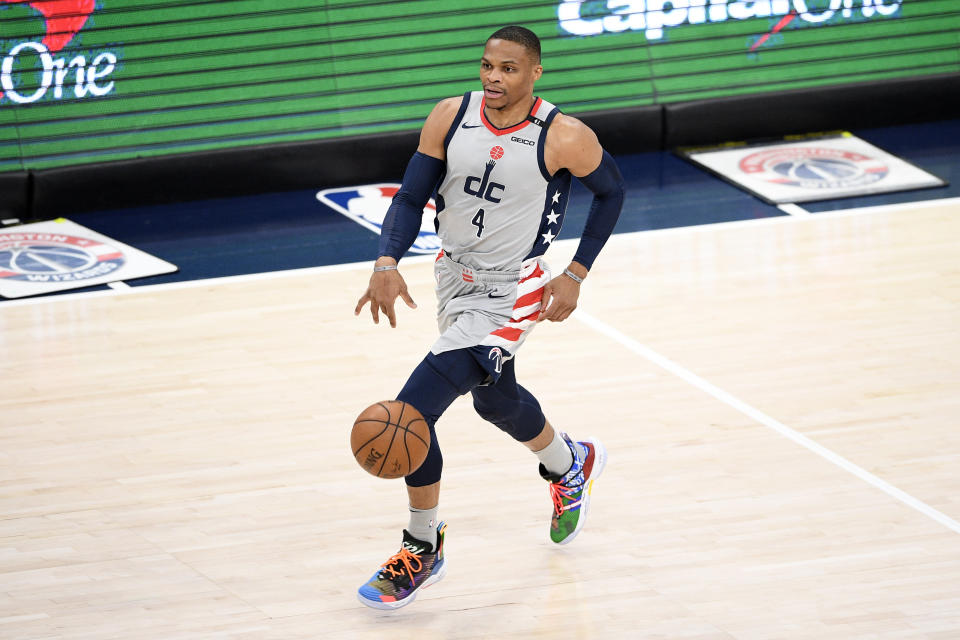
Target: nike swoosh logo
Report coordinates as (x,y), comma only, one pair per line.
(490,295)
(470,126)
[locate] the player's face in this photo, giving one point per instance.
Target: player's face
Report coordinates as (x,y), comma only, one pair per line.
(507,71)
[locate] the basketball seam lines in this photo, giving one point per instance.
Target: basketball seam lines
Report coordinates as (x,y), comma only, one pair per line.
(386,453)
(397,426)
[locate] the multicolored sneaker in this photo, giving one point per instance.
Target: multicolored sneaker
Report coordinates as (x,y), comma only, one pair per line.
(570,493)
(417,565)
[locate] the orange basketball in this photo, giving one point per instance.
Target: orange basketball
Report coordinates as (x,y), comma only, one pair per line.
(390,439)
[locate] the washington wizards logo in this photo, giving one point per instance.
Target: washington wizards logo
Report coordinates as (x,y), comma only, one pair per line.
(49,257)
(496,354)
(814,167)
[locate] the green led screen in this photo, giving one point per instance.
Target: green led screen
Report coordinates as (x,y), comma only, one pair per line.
(96,80)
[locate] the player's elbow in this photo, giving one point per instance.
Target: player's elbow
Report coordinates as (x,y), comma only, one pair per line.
(615,192)
(407,199)
(606,181)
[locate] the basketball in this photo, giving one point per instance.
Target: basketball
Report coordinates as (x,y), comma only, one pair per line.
(390,439)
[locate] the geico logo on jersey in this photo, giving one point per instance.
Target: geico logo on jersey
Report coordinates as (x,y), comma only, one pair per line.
(367,205)
(529,143)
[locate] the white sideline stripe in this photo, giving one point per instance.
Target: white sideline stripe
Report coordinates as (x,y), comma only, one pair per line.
(764,419)
(209,282)
(793,209)
(119,284)
(368,264)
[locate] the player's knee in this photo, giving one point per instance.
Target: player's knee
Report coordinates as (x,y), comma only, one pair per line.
(503,411)
(430,471)
(493,406)
(438,380)
(518,415)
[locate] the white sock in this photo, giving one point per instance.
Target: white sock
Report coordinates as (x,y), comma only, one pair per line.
(423,525)
(556,457)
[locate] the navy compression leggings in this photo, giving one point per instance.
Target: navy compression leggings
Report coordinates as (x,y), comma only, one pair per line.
(440,378)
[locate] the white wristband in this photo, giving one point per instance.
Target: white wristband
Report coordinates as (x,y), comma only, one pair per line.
(573,276)
(386,267)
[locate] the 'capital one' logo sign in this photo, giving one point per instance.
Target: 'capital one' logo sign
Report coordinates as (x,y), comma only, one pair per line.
(55,77)
(652,17)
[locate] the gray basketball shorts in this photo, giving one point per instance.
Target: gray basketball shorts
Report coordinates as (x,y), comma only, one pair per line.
(487,308)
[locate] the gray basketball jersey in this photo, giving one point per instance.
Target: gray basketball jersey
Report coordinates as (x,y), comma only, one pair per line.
(496,204)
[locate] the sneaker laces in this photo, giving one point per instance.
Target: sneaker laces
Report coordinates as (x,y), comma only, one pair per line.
(559,491)
(406,558)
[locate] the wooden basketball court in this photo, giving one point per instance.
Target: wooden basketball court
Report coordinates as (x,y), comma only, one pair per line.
(779,399)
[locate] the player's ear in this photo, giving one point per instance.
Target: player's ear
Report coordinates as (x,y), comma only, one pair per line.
(537,72)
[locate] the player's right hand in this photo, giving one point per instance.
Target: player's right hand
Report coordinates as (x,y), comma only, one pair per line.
(382,293)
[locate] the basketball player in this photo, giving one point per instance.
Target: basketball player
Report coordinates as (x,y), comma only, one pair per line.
(500,161)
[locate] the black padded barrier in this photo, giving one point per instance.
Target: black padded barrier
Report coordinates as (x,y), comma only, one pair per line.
(383,157)
(15,196)
(633,130)
(223,173)
(856,106)
(263,169)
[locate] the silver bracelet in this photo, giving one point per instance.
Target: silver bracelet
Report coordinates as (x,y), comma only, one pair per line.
(386,267)
(573,276)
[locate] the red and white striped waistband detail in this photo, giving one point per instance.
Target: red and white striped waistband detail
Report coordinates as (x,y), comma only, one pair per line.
(533,276)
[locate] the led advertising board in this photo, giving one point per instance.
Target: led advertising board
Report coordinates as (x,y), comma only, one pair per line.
(97,80)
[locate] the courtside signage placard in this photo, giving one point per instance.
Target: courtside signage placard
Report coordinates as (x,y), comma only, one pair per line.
(367,206)
(821,168)
(44,257)
(86,81)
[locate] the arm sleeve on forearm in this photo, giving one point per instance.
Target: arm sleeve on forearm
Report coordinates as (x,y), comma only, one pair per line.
(402,222)
(606,183)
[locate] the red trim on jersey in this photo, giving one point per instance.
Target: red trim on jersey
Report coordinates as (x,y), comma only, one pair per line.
(508,333)
(500,132)
(532,316)
(537,272)
(528,299)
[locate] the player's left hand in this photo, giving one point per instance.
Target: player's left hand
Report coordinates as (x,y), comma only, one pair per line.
(560,297)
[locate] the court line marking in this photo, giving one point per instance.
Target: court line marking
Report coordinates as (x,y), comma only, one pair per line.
(119,284)
(793,209)
(767,421)
(367,264)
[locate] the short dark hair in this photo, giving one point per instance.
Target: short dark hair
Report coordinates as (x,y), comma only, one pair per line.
(520,35)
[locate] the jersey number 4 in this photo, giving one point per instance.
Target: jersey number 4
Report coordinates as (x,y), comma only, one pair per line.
(478,222)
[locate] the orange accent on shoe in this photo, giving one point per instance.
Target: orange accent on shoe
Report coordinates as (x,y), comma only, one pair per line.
(406,558)
(557,493)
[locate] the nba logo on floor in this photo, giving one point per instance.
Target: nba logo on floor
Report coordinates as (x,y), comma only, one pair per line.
(367,205)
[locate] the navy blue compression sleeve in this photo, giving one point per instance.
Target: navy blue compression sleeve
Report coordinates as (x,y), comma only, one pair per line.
(402,222)
(606,183)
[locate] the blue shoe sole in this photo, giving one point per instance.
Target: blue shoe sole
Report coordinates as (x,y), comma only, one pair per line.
(439,572)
